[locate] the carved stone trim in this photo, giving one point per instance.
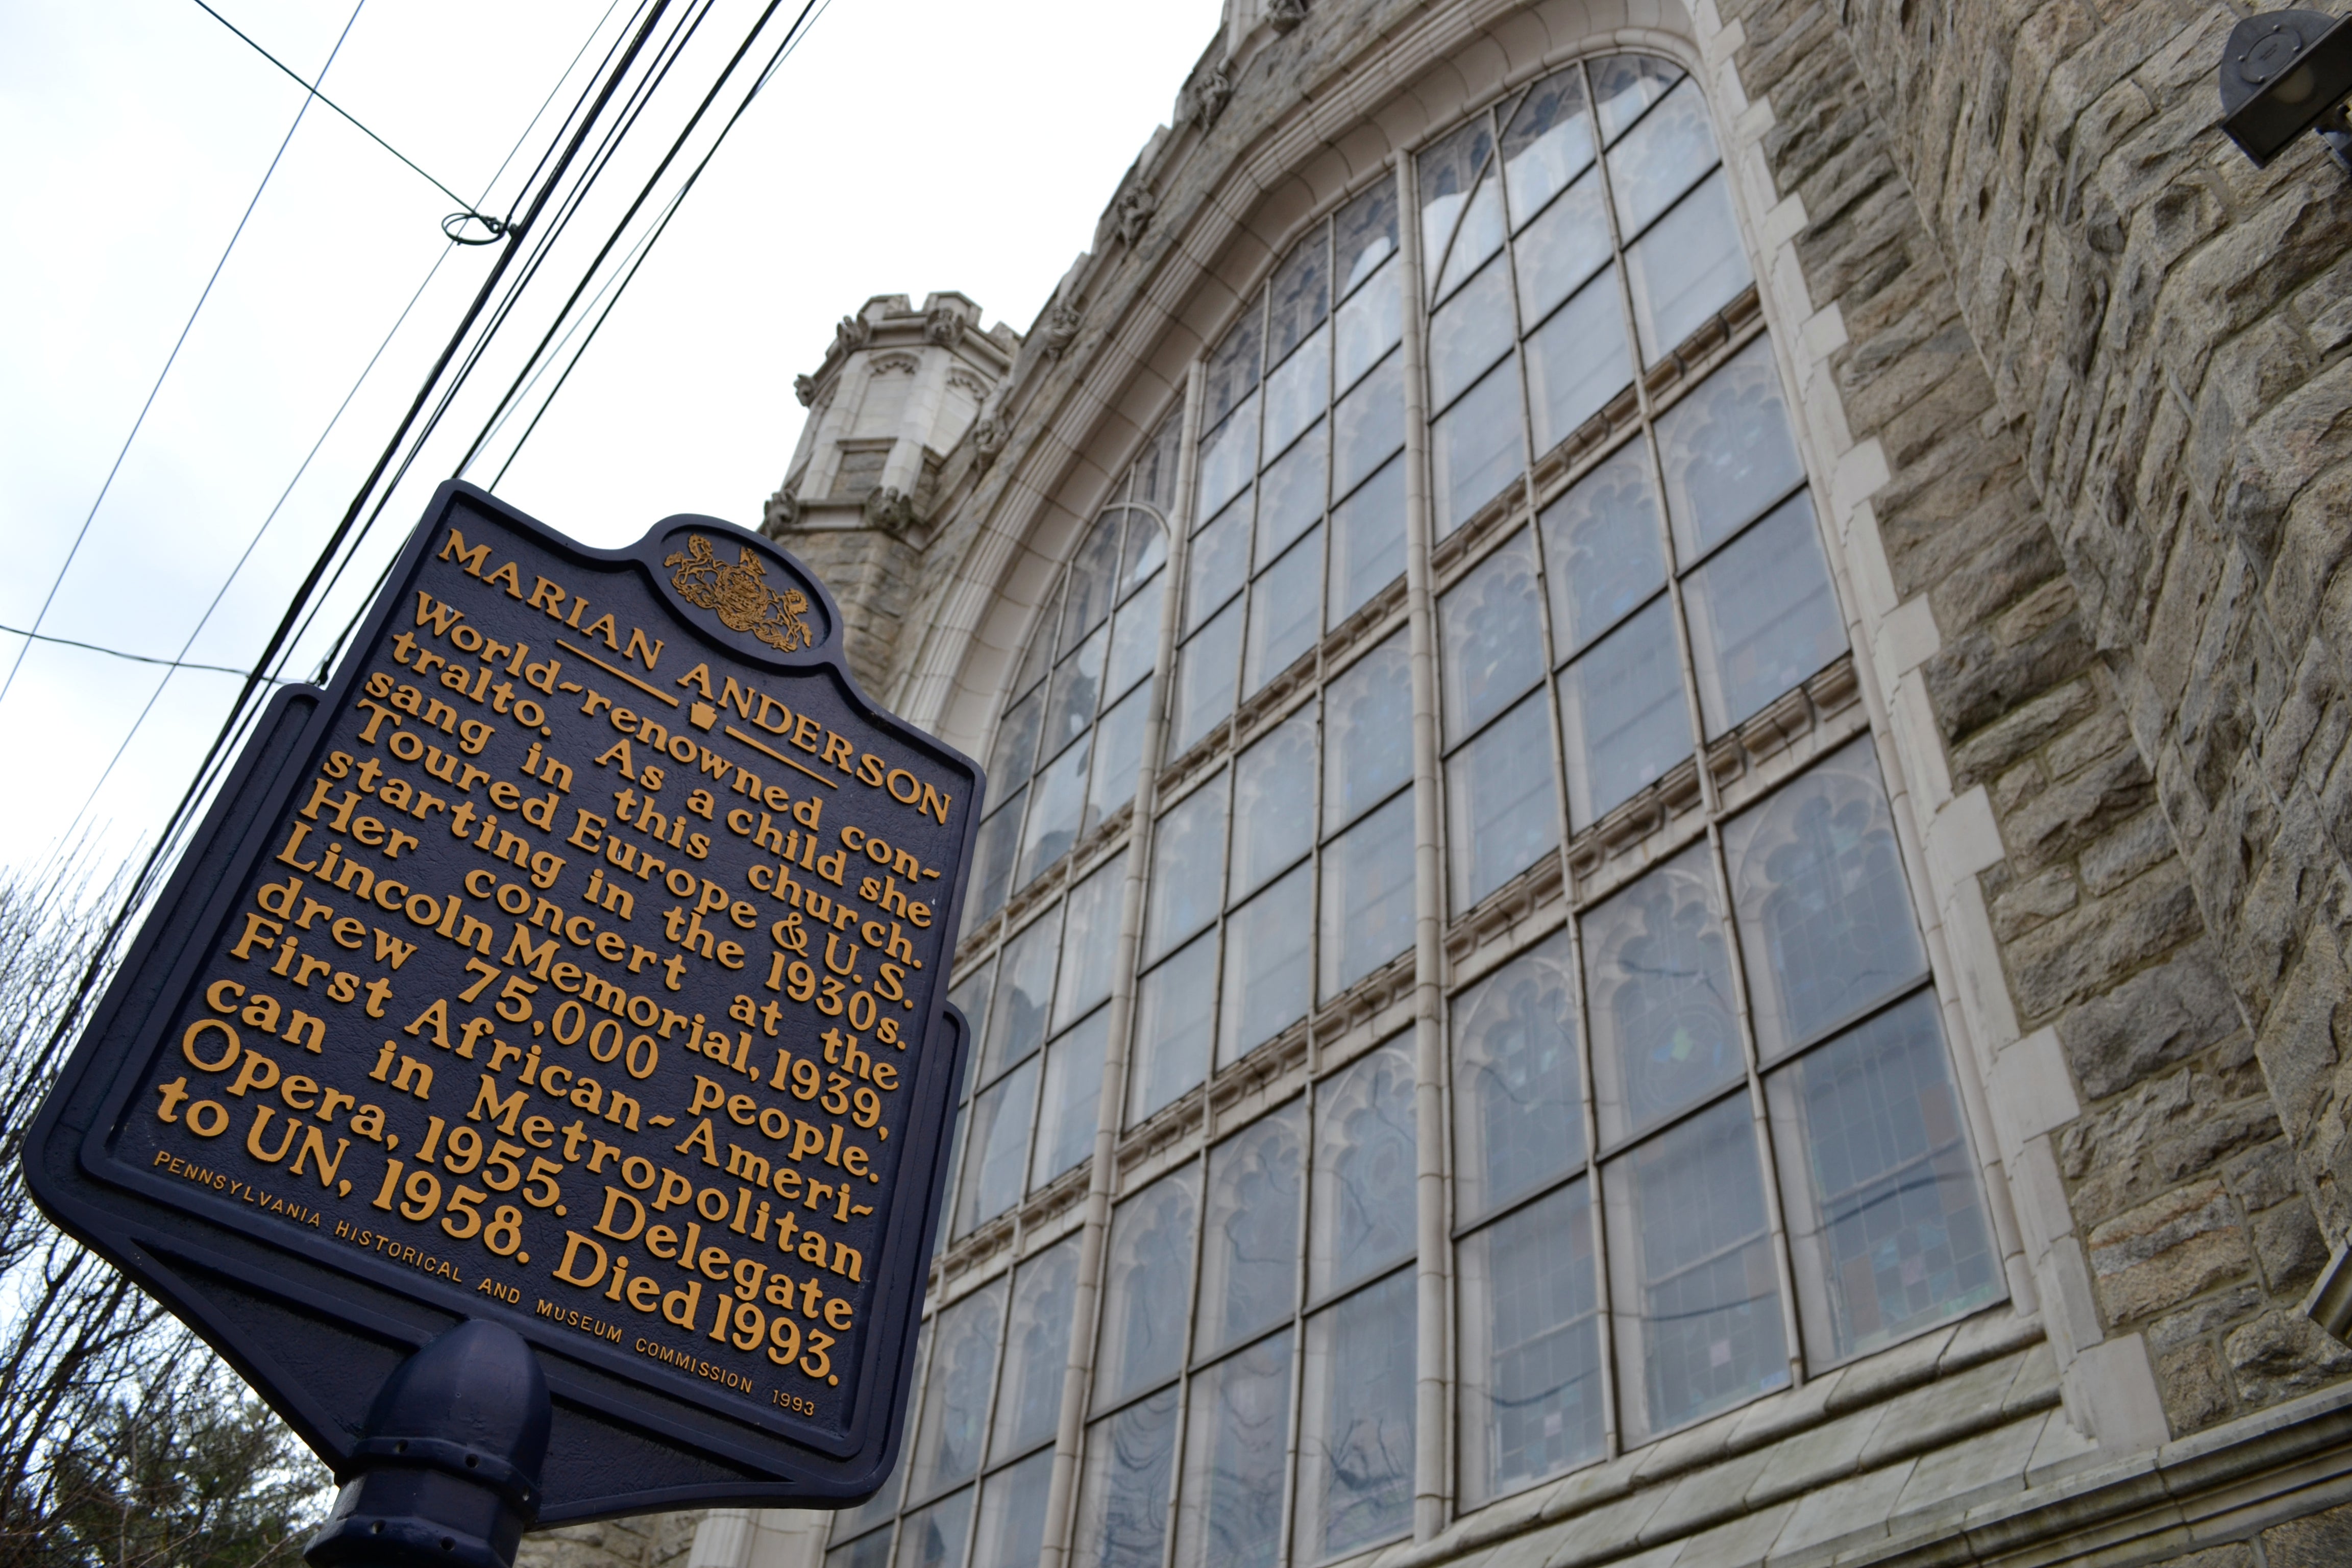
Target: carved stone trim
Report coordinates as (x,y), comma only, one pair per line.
(1062,324)
(783,510)
(894,364)
(944,324)
(1207,95)
(1283,16)
(805,388)
(1131,215)
(853,332)
(890,509)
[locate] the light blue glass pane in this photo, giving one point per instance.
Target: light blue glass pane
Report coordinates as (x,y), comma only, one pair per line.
(1300,298)
(1015,750)
(1699,1320)
(1686,268)
(1228,458)
(1077,687)
(1269,949)
(1205,668)
(1367,543)
(1563,248)
(1624,85)
(1356,1430)
(1531,1391)
(1726,451)
(1548,144)
(1187,869)
(1290,496)
(1369,325)
(1364,235)
(1219,563)
(1119,756)
(1123,1498)
(1017,1024)
(1036,1350)
(1087,600)
(1825,921)
(1058,802)
(1235,1448)
(1249,1257)
(1885,1218)
(1274,804)
(1576,362)
(1661,158)
(946,1451)
(1296,394)
(1604,552)
(1073,1098)
(1367,896)
(1448,171)
(1135,639)
(1368,733)
(1230,374)
(866,1552)
(1480,235)
(996,1157)
(1361,1220)
(1657,966)
(1501,802)
(1089,942)
(1013,1514)
(993,858)
(1468,334)
(1476,449)
(1283,612)
(1175,1019)
(1623,716)
(1148,1296)
(935,1537)
(1763,617)
(1368,428)
(1519,1119)
(1490,626)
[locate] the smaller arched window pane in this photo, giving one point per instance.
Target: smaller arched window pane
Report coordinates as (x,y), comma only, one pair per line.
(1089,943)
(1762,616)
(1661,158)
(1665,1033)
(1071,1099)
(954,1425)
(1502,808)
(1518,1114)
(1367,724)
(1249,1259)
(1448,175)
(1548,144)
(1624,718)
(1017,1024)
(1093,573)
(1269,974)
(1577,363)
(1625,85)
(1036,1350)
(1232,371)
(1013,1515)
(1368,426)
(1531,1399)
(1367,543)
(1235,1453)
(1148,1296)
(935,1537)
(1175,1021)
(1603,547)
(1364,1167)
(1688,266)
(1123,1491)
(1188,860)
(1296,394)
(1274,804)
(1727,451)
(1364,235)
(1491,626)
(1371,324)
(1563,249)
(1300,298)
(1367,895)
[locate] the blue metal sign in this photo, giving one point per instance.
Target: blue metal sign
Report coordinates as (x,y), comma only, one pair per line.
(575,961)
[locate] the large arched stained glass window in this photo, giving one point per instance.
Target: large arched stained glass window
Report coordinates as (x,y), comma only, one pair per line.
(1704,1132)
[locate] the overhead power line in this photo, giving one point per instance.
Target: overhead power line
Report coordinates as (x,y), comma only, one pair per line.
(169,360)
(466,208)
(118,653)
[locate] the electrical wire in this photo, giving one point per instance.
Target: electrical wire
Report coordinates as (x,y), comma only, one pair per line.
(572,64)
(119,652)
(496,228)
(168,361)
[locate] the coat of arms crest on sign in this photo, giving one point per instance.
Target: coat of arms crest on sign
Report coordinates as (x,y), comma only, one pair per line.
(740,595)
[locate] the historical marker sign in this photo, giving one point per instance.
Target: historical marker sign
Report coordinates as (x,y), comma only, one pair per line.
(576,960)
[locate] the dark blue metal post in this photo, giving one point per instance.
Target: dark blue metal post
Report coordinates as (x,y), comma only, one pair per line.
(448,1473)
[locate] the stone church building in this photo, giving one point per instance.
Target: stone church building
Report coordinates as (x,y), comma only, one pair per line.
(1670,844)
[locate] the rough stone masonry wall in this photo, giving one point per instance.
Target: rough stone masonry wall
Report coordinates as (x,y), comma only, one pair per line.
(2167,330)
(2181,1183)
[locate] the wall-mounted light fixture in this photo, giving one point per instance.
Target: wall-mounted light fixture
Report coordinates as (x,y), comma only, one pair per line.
(2284,73)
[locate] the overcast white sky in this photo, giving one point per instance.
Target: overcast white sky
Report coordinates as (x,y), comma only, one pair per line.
(909,146)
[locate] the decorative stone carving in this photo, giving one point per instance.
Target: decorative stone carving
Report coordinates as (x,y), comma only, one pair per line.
(852,334)
(969,383)
(1062,324)
(1283,16)
(783,510)
(893,364)
(944,325)
(805,388)
(988,433)
(1131,216)
(889,508)
(1206,98)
